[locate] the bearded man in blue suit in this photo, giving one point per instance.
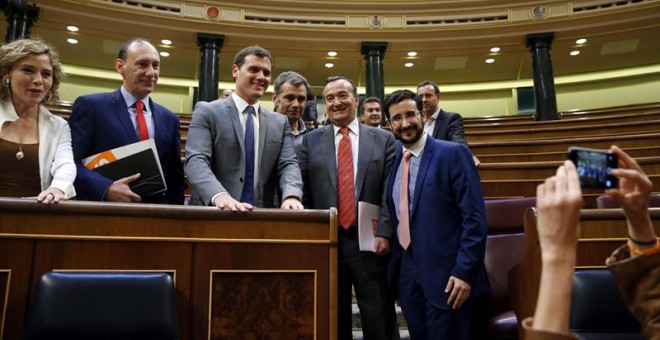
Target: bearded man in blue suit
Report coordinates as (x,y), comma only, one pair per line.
(105,121)
(438,248)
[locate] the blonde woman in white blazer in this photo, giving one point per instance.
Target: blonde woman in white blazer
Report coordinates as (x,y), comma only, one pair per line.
(33,142)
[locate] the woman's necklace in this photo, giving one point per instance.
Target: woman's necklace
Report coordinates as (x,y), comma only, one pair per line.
(19,154)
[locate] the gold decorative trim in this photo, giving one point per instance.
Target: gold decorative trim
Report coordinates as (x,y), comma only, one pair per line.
(603,239)
(539,12)
(214,271)
(4,307)
(376,21)
(590,267)
(172,239)
(213,13)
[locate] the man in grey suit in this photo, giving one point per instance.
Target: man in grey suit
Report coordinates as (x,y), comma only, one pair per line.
(323,160)
(237,152)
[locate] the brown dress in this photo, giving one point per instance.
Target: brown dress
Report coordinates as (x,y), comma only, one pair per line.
(19,178)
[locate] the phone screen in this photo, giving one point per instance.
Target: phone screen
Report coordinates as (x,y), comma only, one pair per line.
(594,167)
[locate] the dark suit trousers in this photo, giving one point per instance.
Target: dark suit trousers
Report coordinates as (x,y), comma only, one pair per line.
(367,273)
(424,320)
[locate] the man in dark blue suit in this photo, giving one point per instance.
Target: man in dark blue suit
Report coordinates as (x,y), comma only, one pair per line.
(105,121)
(439,244)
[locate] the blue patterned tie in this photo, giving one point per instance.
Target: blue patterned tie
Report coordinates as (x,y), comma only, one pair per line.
(248,186)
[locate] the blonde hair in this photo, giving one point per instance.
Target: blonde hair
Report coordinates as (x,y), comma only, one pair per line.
(16,50)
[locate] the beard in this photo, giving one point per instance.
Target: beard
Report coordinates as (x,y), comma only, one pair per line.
(408,137)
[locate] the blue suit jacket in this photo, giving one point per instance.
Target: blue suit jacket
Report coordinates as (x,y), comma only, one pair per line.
(447,221)
(101,122)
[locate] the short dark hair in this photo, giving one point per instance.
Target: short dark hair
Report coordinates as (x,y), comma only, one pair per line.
(239,58)
(436,89)
(372,100)
(123,50)
(293,78)
(311,95)
(400,95)
(333,79)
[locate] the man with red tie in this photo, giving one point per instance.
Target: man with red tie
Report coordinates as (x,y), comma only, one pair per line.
(105,121)
(437,209)
(342,164)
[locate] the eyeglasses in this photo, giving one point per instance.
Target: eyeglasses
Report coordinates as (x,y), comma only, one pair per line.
(410,115)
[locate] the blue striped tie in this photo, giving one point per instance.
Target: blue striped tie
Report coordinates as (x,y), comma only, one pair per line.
(248,186)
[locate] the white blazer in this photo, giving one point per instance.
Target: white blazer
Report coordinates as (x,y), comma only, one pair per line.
(56,166)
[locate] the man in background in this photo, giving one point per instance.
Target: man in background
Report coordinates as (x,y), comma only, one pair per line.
(289,97)
(310,114)
(237,151)
(371,112)
(226,93)
(104,121)
(438,123)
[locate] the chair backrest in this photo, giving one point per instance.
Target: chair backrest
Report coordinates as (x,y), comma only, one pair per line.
(606,202)
(103,305)
(598,310)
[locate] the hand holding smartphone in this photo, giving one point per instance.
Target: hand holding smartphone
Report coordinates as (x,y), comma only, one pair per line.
(594,167)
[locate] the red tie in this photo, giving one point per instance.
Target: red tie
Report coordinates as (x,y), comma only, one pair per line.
(345,185)
(141,122)
(404,209)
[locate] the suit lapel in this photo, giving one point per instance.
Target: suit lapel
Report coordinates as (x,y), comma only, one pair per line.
(427,155)
(390,183)
(365,148)
(119,106)
(438,124)
(263,126)
(155,116)
(327,152)
(234,117)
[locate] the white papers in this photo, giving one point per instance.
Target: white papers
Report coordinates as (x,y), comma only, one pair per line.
(367,223)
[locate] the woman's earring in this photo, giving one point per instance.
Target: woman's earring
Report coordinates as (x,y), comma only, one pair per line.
(7,83)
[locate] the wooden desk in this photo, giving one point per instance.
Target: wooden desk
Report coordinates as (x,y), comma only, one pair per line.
(272,261)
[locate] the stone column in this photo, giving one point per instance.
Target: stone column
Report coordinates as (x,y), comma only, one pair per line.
(209,46)
(540,44)
(20,18)
(373,53)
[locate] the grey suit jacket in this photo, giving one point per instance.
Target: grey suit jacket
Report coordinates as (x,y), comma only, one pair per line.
(318,165)
(215,156)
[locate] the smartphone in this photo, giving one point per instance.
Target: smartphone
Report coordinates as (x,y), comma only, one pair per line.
(594,167)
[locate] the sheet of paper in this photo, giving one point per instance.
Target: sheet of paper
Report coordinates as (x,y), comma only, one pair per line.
(367,223)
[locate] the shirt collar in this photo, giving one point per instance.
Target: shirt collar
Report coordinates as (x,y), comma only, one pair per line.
(352,126)
(417,148)
(241,104)
(130,99)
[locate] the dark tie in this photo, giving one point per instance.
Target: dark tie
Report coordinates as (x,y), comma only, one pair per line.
(248,186)
(404,208)
(141,122)
(345,185)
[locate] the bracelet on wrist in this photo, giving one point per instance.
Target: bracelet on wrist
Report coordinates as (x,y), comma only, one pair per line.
(643,243)
(634,249)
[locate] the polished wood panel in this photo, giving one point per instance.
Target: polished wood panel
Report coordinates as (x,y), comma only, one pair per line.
(523,126)
(644,151)
(624,141)
(542,170)
(558,131)
(191,242)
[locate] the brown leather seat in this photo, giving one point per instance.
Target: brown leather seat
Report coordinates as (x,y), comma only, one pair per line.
(504,250)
